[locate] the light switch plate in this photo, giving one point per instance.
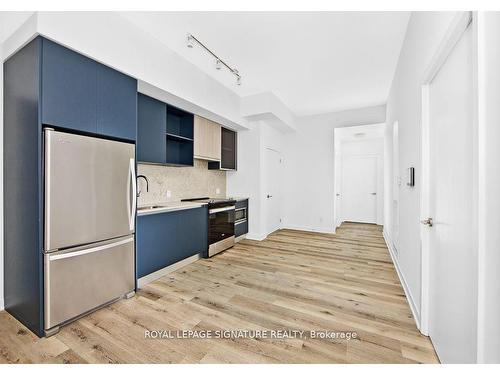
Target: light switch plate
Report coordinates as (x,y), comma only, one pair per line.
(169,193)
(217,191)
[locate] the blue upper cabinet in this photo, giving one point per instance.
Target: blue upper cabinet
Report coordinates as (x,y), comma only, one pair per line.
(165,134)
(116,103)
(83,95)
(69,86)
(151,130)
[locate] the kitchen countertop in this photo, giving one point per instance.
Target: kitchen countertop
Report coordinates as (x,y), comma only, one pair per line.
(158,208)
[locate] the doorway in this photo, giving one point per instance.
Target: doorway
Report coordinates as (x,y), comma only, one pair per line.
(272,189)
(359,187)
(449,261)
(359,174)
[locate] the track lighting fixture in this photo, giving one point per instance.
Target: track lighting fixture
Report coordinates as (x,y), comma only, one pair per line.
(189,41)
(218,61)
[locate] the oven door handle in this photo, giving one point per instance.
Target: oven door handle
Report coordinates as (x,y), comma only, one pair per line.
(222,209)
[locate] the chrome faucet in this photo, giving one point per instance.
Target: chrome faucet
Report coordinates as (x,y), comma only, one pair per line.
(147,184)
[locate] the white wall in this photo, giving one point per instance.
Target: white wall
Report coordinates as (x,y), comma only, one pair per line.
(425,31)
(309,167)
(489,187)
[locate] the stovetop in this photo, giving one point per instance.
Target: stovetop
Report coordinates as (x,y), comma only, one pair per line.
(212,202)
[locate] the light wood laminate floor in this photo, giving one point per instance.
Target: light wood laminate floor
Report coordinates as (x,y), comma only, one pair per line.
(293,280)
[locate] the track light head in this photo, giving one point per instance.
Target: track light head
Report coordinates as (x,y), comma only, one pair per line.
(238,81)
(189,41)
(218,64)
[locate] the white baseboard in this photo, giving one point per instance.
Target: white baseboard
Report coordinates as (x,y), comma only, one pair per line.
(256,236)
(165,271)
(2,306)
(413,306)
(325,230)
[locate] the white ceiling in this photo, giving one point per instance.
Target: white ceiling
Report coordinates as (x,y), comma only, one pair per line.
(10,21)
(315,62)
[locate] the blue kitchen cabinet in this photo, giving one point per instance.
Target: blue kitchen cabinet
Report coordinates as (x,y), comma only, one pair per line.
(69,87)
(166,238)
(180,137)
(85,96)
(165,134)
(151,130)
(116,104)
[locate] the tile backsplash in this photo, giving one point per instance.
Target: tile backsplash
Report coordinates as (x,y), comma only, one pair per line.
(182,182)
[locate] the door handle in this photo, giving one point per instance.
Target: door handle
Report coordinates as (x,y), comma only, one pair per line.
(373,193)
(89,250)
(133,193)
(269,196)
(427,221)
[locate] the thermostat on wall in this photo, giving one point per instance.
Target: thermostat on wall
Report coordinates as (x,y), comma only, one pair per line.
(410,176)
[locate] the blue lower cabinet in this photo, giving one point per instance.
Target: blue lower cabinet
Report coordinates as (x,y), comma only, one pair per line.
(166,238)
(241,228)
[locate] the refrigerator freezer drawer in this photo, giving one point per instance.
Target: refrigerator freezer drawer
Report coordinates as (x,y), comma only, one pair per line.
(81,279)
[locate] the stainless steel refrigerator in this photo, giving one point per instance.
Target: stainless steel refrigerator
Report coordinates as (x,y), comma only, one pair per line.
(90,207)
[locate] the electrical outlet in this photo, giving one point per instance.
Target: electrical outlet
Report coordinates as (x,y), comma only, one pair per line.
(169,193)
(217,191)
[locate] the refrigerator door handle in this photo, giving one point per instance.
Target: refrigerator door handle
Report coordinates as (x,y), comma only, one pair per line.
(88,250)
(133,184)
(47,165)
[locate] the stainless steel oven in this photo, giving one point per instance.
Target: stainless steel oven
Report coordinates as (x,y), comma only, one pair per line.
(220,229)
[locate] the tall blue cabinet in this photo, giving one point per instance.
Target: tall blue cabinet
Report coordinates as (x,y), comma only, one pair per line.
(46,84)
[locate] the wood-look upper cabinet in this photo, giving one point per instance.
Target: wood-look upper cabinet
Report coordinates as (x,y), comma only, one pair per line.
(207,139)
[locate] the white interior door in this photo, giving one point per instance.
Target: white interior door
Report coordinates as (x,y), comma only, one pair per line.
(452,258)
(272,190)
(359,188)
